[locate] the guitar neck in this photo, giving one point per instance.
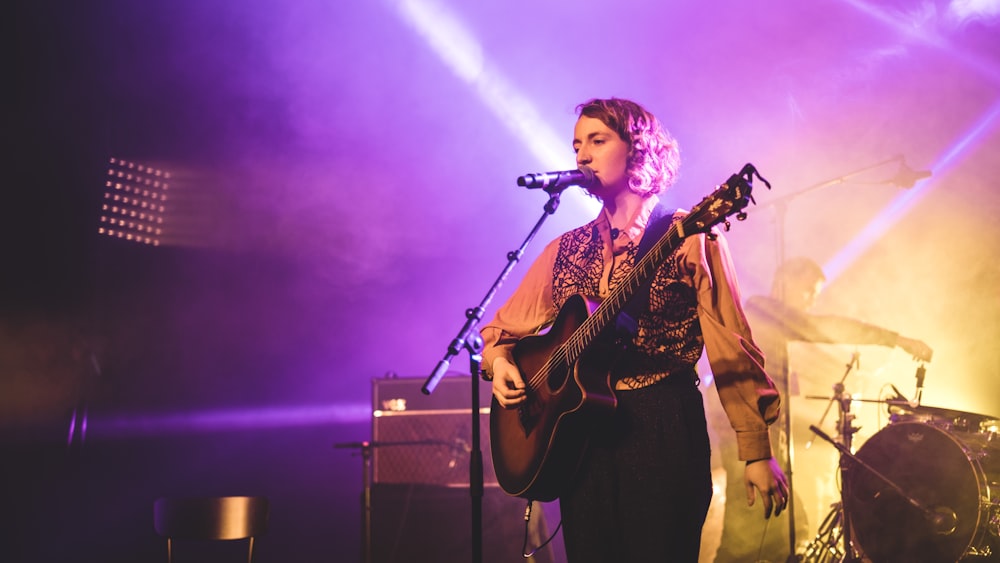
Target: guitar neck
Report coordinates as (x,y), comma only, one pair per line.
(727,199)
(616,300)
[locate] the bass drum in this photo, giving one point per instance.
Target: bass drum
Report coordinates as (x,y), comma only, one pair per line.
(943,471)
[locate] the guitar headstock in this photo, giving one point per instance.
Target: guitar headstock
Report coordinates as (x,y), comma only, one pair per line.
(728,199)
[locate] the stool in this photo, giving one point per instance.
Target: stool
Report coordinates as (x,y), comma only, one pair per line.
(211,518)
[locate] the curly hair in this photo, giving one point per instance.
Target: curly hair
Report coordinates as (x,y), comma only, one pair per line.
(654,156)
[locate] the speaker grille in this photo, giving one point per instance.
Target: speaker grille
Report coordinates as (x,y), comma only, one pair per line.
(426,439)
(429,447)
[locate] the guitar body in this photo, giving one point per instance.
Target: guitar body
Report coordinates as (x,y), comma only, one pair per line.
(537,447)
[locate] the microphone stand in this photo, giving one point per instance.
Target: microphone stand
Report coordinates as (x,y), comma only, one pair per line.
(783,200)
(468,338)
(781,206)
(365,449)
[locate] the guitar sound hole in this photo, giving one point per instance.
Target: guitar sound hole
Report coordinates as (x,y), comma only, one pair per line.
(557,376)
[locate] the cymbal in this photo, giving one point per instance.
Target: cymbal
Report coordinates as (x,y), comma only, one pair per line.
(886,402)
(902,407)
(948,418)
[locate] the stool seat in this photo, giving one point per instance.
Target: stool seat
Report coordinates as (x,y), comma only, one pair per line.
(211,518)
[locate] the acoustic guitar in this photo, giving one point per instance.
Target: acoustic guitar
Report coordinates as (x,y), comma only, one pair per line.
(537,447)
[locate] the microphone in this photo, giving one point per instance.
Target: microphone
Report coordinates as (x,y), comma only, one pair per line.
(943,519)
(921,373)
(906,177)
(554,182)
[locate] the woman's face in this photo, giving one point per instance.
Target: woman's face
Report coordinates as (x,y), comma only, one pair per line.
(599,147)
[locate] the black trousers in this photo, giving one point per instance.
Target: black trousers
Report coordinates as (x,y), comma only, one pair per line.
(643,490)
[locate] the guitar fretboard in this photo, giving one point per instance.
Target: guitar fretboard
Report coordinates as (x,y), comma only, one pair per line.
(710,211)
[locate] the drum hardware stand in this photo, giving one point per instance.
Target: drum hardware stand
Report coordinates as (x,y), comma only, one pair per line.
(838,390)
(832,542)
(826,546)
(944,519)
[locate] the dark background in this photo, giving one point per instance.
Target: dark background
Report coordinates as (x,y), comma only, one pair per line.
(344,190)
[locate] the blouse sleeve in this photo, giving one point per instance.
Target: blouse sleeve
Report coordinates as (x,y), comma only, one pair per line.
(749,397)
(529,309)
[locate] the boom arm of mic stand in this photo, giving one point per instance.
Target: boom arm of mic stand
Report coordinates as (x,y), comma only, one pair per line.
(831,182)
(475,315)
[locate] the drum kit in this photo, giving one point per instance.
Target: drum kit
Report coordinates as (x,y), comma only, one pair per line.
(925,488)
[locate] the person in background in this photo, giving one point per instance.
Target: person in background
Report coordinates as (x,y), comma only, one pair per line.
(777,319)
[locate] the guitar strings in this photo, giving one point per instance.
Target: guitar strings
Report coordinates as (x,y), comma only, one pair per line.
(573,347)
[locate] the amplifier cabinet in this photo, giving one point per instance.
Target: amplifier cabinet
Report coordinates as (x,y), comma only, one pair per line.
(427,439)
